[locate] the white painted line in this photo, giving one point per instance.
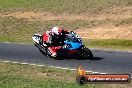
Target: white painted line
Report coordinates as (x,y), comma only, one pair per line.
(72,69)
(40,65)
(58,67)
(5,61)
(32,64)
(89,71)
(103,73)
(51,66)
(65,68)
(24,63)
(7,42)
(15,62)
(95,72)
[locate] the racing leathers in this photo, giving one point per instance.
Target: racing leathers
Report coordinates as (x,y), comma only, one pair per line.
(53,42)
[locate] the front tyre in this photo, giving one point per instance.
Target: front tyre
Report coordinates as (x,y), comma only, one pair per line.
(85,53)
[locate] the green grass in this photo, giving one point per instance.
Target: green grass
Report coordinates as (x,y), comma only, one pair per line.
(61,6)
(110,43)
(26,76)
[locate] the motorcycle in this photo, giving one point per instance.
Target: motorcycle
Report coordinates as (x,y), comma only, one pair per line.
(72,45)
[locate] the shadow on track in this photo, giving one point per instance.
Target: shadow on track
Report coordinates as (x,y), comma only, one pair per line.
(96,58)
(71,57)
(77,58)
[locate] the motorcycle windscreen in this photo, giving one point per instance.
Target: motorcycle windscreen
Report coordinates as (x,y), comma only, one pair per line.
(73,45)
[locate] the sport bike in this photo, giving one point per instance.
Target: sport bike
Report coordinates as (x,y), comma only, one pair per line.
(72,46)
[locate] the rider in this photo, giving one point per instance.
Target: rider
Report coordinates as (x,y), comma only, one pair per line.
(54,39)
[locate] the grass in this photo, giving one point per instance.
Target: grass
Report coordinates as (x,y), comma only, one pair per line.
(62,6)
(21,30)
(127,21)
(27,76)
(110,43)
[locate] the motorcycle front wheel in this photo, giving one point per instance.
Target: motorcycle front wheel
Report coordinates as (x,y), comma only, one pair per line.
(85,53)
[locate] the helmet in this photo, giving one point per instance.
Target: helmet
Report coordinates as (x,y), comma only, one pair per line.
(56,30)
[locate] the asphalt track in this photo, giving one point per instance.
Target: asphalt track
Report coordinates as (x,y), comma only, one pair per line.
(106,61)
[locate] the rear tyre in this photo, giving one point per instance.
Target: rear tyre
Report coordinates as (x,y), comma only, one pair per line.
(49,53)
(44,53)
(85,53)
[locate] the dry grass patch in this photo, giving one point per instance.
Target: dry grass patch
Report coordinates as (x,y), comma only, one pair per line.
(106,32)
(113,13)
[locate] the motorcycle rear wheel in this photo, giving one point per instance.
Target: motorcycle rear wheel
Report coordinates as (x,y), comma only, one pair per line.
(42,52)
